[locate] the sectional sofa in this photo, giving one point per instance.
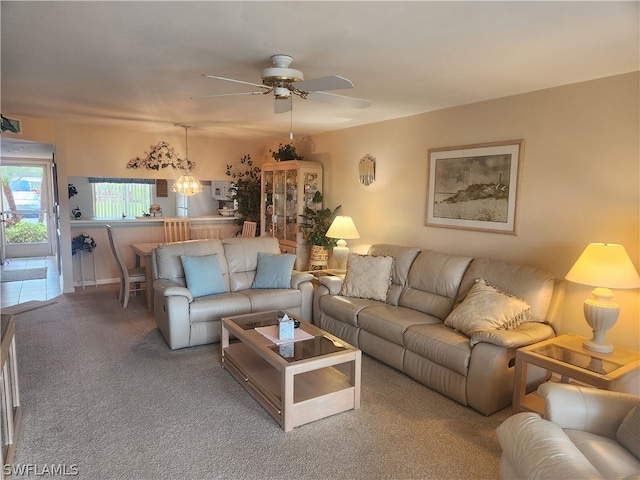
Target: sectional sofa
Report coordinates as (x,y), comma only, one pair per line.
(198,282)
(451,322)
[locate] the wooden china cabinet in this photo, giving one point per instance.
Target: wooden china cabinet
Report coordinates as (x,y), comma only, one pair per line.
(288,188)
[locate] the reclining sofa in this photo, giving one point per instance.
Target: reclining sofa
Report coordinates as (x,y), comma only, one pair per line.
(410,328)
(186,320)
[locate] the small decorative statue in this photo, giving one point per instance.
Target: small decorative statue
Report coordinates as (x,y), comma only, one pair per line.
(76,212)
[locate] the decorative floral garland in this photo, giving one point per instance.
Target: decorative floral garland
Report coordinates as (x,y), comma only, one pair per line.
(82,243)
(161,155)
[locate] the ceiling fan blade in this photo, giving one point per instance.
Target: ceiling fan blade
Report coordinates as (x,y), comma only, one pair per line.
(235,81)
(228,95)
(283,105)
(339,99)
(333,82)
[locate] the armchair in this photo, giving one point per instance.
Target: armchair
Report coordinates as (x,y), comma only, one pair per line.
(587,433)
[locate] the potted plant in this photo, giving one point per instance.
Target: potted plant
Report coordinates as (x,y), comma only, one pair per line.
(285,152)
(314,226)
(245,189)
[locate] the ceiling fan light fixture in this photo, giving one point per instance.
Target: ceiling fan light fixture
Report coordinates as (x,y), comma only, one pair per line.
(281,93)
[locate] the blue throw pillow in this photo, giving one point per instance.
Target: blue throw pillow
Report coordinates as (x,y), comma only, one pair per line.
(203,274)
(274,270)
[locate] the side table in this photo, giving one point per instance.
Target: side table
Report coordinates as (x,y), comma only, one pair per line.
(324,273)
(565,356)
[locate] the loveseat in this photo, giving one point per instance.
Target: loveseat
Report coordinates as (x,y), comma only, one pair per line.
(407,327)
(219,278)
(586,433)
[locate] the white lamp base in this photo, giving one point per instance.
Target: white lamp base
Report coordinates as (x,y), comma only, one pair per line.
(601,314)
(340,254)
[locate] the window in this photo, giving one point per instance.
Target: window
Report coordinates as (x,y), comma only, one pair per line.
(112,199)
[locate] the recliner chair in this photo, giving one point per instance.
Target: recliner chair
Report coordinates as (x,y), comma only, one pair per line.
(586,433)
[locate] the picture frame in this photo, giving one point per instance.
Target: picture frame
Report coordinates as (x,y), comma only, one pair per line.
(475,187)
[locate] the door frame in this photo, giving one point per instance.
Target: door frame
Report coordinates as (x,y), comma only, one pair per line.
(33,249)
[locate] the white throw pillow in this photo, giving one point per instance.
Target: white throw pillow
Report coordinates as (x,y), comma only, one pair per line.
(487,308)
(367,277)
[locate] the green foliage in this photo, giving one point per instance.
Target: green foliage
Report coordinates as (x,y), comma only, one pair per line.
(26,232)
(245,187)
(286,152)
(316,223)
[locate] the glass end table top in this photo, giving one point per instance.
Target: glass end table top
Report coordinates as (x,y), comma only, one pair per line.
(569,349)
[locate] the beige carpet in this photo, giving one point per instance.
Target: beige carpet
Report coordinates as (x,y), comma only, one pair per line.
(101,391)
(26,306)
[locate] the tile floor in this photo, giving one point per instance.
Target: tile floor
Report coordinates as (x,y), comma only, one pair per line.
(13,293)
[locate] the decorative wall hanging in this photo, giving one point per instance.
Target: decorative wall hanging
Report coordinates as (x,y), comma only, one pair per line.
(475,187)
(162,189)
(160,156)
(367,169)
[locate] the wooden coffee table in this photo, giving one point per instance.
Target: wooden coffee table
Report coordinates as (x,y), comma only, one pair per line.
(298,382)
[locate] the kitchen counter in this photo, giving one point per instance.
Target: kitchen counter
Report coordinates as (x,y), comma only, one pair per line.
(129,231)
(136,221)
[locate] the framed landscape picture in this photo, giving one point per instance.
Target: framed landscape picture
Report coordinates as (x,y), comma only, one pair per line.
(475,187)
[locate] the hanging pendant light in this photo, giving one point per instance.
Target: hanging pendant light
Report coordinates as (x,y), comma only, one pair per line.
(291,120)
(187,184)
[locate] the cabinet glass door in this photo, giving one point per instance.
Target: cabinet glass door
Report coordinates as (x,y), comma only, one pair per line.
(268,202)
(291,205)
(279,202)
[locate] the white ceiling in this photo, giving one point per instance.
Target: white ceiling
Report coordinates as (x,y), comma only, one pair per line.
(136,64)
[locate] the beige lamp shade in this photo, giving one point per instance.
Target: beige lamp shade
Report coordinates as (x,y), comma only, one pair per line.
(342,227)
(604,266)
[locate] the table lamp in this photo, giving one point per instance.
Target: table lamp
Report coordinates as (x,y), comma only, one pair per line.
(604,266)
(342,227)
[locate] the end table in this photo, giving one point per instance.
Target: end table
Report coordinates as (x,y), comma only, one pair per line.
(565,356)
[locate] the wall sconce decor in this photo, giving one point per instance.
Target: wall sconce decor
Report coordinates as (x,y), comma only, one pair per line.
(604,266)
(367,169)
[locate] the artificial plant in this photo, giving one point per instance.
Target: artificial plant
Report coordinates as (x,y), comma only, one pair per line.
(245,187)
(316,223)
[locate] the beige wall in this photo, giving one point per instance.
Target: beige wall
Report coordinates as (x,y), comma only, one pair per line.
(580,183)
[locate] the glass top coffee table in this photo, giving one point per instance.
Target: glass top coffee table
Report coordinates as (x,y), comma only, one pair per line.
(295,382)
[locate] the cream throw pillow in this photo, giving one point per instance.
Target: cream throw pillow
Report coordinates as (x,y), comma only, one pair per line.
(487,308)
(367,277)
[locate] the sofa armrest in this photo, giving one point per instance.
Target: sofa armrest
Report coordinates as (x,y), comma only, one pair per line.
(539,449)
(333,284)
(525,334)
(584,408)
(168,288)
(299,277)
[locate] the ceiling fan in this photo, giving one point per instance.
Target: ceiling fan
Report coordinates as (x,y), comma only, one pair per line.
(284,81)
